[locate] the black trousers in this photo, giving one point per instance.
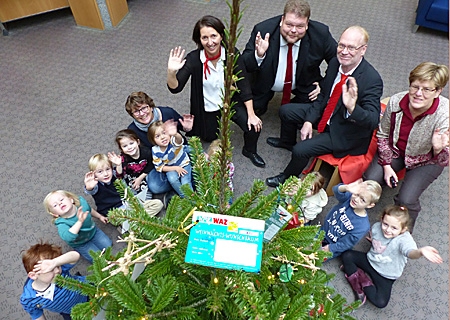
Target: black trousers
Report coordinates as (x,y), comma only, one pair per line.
(306,149)
(380,293)
(240,117)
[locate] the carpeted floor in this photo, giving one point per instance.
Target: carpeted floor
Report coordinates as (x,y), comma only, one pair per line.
(62,95)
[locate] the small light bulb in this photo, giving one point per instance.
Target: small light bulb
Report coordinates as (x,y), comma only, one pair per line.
(216,280)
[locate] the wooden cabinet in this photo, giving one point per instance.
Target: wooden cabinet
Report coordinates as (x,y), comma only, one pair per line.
(88,14)
(85,12)
(16,9)
(118,9)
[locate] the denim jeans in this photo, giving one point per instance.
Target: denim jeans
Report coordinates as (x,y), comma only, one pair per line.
(99,242)
(157,182)
(177,181)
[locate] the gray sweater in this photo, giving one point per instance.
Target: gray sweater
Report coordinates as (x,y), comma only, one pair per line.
(389,256)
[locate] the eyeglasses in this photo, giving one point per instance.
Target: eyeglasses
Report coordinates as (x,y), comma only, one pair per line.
(143,110)
(425,91)
(350,49)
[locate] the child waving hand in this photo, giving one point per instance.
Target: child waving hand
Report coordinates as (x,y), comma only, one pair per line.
(372,274)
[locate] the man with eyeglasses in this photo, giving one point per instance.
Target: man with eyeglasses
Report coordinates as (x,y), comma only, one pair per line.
(265,55)
(346,112)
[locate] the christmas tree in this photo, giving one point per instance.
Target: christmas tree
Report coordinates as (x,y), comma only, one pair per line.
(151,280)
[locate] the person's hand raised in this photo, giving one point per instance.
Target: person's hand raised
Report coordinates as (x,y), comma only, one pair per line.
(44,266)
(170,127)
(431,254)
(355,186)
(81,215)
(176,61)
(350,94)
(90,181)
(261,44)
(187,122)
(439,140)
(114,158)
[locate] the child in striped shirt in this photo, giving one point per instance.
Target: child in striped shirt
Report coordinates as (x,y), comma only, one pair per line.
(169,154)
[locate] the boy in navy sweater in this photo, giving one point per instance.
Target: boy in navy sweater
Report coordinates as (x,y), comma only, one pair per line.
(347,222)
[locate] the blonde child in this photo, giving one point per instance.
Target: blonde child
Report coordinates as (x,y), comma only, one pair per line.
(169,154)
(74,222)
(347,222)
(134,162)
(392,245)
(99,183)
(42,262)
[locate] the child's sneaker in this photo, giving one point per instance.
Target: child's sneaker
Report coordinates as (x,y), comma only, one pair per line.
(153,207)
(167,197)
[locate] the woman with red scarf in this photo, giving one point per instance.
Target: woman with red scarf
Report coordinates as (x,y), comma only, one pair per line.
(414,134)
(206,66)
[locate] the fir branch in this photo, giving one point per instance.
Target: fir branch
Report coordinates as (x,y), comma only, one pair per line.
(164,290)
(85,310)
(127,293)
(190,308)
(72,284)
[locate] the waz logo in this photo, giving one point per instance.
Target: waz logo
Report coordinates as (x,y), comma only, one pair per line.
(211,220)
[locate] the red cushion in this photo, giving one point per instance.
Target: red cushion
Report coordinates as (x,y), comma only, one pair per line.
(351,168)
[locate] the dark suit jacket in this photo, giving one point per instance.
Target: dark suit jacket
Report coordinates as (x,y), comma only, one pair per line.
(352,135)
(316,46)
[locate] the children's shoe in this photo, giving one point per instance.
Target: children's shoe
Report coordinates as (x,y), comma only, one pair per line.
(167,197)
(363,279)
(153,207)
(356,286)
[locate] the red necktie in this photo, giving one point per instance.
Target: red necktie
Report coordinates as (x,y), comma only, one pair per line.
(288,78)
(337,91)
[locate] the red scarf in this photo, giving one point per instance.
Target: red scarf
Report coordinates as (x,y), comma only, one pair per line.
(205,64)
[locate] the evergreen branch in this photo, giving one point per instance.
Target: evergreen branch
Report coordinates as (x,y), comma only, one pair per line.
(127,293)
(164,290)
(250,301)
(75,285)
(299,307)
(85,310)
(177,312)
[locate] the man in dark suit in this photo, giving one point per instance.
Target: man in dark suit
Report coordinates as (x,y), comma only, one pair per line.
(266,51)
(348,129)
